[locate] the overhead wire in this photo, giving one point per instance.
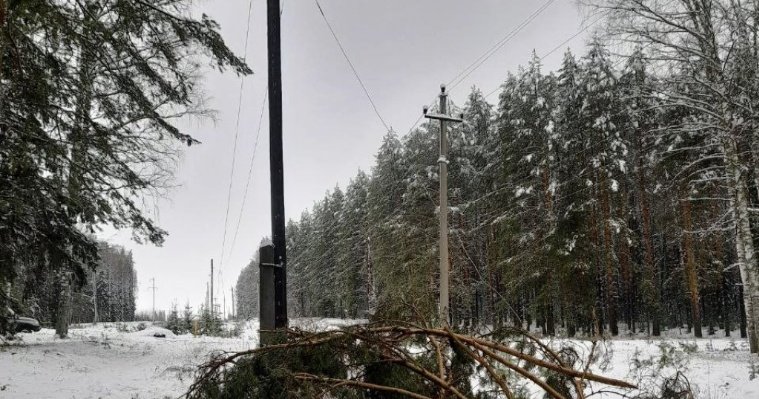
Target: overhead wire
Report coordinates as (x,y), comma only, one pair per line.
(499,45)
(234,147)
(560,45)
(353,68)
(569,39)
(461,76)
(250,170)
(253,157)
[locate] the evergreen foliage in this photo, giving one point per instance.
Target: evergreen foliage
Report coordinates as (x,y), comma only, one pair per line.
(400,361)
(187,319)
(109,295)
(210,322)
(173,323)
(89,94)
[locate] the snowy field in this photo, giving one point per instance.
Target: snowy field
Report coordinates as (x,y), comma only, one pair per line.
(112,360)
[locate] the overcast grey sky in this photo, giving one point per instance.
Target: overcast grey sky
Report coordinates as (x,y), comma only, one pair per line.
(402,49)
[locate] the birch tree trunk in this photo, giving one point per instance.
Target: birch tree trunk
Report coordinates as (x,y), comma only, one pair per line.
(744,244)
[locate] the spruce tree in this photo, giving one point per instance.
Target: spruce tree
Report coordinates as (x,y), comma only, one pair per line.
(90,93)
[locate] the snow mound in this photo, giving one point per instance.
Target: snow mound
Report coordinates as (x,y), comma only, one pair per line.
(153,331)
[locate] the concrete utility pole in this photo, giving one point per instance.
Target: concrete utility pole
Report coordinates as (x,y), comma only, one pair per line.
(443,117)
(153,287)
(275,164)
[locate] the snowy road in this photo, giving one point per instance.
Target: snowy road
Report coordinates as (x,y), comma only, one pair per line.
(103,362)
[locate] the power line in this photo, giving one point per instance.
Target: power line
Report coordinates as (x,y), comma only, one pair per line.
(562,44)
(578,33)
(353,68)
(494,49)
(250,170)
(237,131)
(489,53)
(253,156)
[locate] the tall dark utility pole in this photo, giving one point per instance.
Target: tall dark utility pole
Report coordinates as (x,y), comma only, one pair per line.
(275,164)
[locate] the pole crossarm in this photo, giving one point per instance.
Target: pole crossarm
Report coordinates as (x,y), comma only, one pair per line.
(442,117)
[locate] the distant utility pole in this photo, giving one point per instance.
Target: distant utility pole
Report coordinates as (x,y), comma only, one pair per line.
(233,303)
(443,117)
(153,287)
(275,164)
(210,295)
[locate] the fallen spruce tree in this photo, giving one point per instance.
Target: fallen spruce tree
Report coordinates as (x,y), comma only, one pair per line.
(404,361)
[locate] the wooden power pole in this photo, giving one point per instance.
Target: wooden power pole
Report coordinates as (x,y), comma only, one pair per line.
(443,117)
(153,287)
(275,164)
(210,294)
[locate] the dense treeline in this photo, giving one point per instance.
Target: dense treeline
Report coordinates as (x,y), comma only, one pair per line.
(617,194)
(246,291)
(109,295)
(113,284)
(581,202)
(90,91)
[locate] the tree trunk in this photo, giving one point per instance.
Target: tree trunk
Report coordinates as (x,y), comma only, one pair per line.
(597,312)
(95,296)
(741,310)
(611,284)
(744,243)
(63,307)
(755,159)
(650,282)
(689,267)
(725,309)
(371,292)
(551,299)
(625,267)
(571,318)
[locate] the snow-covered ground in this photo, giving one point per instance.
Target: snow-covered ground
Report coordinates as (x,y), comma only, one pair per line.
(112,360)
(716,368)
(103,362)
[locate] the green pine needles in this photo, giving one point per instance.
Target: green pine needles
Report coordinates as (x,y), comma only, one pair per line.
(399,361)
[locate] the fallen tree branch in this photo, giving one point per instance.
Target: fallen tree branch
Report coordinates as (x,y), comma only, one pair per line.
(422,352)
